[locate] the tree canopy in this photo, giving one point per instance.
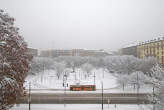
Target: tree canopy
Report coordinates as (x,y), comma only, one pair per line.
(14,62)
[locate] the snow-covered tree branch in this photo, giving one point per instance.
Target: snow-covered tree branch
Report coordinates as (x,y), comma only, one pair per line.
(14,62)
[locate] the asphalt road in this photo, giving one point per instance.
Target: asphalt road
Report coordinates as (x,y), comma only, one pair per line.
(86,98)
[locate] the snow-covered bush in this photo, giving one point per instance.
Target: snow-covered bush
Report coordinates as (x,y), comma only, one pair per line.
(14,62)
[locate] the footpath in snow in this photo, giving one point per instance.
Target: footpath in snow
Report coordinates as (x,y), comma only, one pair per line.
(81,107)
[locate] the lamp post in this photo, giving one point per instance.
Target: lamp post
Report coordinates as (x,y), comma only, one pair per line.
(138,86)
(153,98)
(65,84)
(103,72)
(94,78)
(29,96)
(102,96)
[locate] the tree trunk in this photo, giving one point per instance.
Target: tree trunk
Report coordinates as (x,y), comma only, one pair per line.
(123,86)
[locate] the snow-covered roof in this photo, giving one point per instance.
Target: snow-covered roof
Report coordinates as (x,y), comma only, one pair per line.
(131,44)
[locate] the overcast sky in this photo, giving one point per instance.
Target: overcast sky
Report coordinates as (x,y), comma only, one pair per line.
(88,24)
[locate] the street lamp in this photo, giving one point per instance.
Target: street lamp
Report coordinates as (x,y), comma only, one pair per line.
(153,98)
(138,86)
(94,78)
(102,95)
(29,98)
(65,84)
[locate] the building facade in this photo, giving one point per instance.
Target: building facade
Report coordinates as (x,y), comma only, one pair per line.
(129,51)
(73,52)
(33,52)
(149,48)
(152,48)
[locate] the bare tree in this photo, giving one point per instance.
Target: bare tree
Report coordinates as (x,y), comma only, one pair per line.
(87,68)
(71,61)
(121,64)
(129,64)
(122,80)
(59,67)
(39,64)
(137,78)
(146,64)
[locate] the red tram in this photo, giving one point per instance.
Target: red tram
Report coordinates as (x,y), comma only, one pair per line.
(82,87)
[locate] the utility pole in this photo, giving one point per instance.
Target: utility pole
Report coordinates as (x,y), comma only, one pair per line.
(29,96)
(153,99)
(94,78)
(103,72)
(108,103)
(102,96)
(137,89)
(65,84)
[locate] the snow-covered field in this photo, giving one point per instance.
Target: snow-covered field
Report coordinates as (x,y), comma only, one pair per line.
(81,107)
(48,80)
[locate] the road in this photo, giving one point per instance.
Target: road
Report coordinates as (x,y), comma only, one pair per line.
(86,98)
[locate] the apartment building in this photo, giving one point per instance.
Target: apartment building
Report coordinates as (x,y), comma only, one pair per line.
(146,49)
(152,48)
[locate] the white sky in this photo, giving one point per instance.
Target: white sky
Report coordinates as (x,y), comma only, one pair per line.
(89,24)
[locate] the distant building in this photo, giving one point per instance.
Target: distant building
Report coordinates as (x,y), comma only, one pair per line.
(73,52)
(33,52)
(129,51)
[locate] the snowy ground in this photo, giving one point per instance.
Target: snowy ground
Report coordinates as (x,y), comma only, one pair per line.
(81,107)
(48,80)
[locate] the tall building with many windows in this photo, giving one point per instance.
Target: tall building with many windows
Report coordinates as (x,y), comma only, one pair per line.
(152,48)
(146,49)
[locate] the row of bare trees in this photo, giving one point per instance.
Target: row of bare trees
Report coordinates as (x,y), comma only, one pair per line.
(117,65)
(40,64)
